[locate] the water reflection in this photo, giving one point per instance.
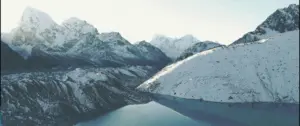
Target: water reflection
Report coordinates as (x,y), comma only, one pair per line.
(234,114)
(172,111)
(150,114)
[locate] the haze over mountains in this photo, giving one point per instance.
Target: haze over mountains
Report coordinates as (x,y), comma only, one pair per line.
(51,73)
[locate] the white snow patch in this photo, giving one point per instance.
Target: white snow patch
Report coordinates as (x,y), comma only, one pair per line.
(84,76)
(45,106)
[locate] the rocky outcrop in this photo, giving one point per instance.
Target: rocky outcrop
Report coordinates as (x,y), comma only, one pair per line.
(282,20)
(64,98)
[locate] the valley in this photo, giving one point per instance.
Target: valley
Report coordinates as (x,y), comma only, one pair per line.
(70,74)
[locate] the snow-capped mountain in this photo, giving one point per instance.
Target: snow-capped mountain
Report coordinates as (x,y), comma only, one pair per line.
(72,72)
(76,30)
(282,20)
(173,47)
(119,50)
(266,72)
(39,37)
(112,37)
(198,47)
(147,50)
(66,97)
(35,27)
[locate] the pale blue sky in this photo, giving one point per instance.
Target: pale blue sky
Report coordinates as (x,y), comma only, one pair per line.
(217,20)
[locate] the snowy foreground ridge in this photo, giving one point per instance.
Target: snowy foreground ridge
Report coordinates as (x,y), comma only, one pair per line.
(267,71)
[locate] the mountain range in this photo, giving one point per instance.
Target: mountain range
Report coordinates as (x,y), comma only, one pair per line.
(61,74)
(75,43)
(175,47)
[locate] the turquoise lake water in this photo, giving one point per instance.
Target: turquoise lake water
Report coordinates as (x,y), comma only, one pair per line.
(171,111)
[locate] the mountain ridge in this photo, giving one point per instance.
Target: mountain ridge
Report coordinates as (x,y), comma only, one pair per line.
(282,20)
(261,67)
(75,40)
(173,47)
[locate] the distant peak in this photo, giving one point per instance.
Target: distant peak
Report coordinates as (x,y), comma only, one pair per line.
(294,6)
(73,20)
(160,37)
(189,37)
(32,12)
(78,25)
(34,16)
(282,20)
(31,9)
(114,34)
(142,42)
(290,8)
(111,36)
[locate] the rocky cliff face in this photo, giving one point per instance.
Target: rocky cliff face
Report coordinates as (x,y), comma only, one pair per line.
(66,97)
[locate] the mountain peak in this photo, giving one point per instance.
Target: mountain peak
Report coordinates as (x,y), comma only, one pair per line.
(160,37)
(35,17)
(282,20)
(189,37)
(77,24)
(73,20)
(111,36)
(143,42)
(293,6)
(30,9)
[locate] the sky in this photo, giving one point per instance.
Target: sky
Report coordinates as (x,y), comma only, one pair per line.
(223,21)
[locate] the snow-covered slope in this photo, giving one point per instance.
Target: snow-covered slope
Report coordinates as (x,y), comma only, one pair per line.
(282,20)
(198,47)
(35,27)
(267,71)
(173,47)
